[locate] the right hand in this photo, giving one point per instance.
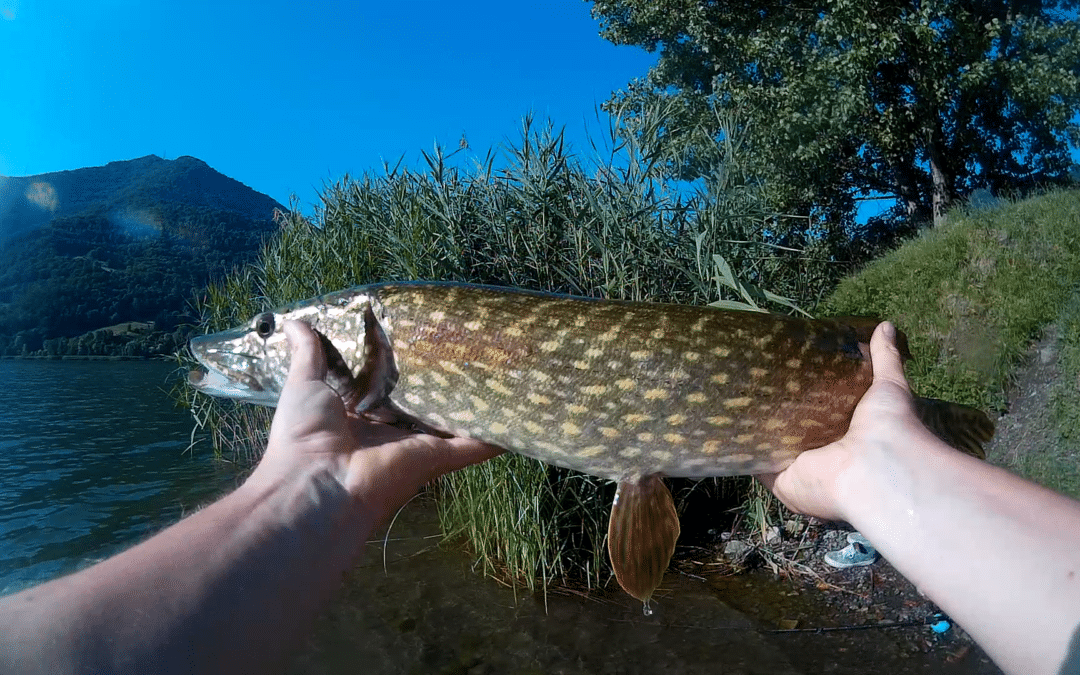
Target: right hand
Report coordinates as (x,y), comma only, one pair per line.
(817,481)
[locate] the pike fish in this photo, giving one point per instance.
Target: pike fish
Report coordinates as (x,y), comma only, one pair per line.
(626,391)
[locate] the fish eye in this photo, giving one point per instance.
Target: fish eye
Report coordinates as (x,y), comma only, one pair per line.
(264,325)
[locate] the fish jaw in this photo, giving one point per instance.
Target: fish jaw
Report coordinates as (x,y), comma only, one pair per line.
(241,364)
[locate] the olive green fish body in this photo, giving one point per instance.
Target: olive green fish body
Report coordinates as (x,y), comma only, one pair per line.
(622,390)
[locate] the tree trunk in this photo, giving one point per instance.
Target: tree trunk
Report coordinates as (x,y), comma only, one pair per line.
(907,188)
(940,193)
(941,188)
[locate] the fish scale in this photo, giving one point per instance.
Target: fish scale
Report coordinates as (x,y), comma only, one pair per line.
(622,390)
(615,389)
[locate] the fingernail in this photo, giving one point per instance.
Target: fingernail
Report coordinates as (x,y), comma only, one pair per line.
(889,331)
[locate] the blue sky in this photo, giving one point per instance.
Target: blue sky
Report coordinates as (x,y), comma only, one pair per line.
(286,96)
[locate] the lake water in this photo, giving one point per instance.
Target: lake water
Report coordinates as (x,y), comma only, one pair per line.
(93,458)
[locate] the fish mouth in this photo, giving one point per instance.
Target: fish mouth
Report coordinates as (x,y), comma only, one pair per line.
(215,383)
(210,380)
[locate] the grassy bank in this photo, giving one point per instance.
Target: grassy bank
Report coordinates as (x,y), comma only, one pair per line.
(972,296)
(1060,467)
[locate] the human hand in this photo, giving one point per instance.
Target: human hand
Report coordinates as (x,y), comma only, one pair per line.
(818,481)
(379,465)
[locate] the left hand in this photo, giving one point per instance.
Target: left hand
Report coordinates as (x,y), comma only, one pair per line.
(378,464)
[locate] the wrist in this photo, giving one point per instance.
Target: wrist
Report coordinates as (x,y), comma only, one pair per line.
(310,499)
(881,491)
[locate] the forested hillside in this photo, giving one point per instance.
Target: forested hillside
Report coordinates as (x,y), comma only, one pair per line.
(147,235)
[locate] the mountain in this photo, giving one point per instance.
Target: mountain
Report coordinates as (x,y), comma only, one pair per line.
(131,241)
(31,201)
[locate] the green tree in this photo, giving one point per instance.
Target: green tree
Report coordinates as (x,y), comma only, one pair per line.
(924,100)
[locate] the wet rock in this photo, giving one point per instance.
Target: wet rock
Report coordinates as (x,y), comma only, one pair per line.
(736,549)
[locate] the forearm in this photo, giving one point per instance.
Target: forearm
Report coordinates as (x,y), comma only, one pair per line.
(998,554)
(229,589)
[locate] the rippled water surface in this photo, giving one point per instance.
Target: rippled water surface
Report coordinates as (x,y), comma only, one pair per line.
(92,460)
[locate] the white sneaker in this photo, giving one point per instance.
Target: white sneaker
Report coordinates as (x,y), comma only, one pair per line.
(857,553)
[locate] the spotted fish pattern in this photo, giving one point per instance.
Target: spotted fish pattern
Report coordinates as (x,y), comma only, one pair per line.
(621,390)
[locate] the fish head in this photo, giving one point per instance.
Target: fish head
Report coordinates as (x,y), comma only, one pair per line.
(250,363)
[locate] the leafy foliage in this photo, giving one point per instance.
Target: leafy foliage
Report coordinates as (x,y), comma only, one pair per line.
(923,101)
(544,221)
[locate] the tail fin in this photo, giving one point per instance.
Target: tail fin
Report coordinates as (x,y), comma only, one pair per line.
(963,427)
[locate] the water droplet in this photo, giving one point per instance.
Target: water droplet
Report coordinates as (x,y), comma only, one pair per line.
(646,609)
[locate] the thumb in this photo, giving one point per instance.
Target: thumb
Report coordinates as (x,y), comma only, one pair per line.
(308,361)
(466,451)
(885,356)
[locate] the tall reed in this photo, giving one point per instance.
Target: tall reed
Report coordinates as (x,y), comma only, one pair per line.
(611,224)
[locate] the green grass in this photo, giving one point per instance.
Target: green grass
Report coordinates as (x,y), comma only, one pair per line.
(972,296)
(1060,466)
(528,522)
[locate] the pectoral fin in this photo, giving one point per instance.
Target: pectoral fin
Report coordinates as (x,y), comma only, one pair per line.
(379,374)
(641,534)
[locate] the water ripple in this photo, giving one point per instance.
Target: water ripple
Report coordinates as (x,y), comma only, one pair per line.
(91,460)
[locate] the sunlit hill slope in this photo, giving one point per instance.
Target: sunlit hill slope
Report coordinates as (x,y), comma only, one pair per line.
(129,241)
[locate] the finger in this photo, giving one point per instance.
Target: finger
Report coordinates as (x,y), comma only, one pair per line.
(885,356)
(461,452)
(308,359)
